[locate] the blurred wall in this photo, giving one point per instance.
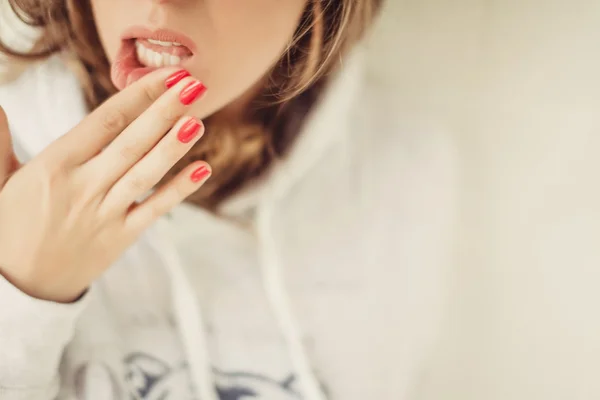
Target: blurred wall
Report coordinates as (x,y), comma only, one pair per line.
(516,86)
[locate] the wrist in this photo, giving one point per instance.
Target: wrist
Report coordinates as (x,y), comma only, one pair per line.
(41,291)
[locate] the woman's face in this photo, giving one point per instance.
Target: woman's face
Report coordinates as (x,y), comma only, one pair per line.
(227,44)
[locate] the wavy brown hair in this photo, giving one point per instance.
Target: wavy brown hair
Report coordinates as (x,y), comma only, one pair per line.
(327,30)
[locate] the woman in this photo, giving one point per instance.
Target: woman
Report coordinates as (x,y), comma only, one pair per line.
(313,253)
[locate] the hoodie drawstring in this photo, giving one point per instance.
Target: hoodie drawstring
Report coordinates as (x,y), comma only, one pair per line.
(188,315)
(191,322)
(282,309)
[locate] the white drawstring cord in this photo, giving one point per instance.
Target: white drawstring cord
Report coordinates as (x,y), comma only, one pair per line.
(280,304)
(189,317)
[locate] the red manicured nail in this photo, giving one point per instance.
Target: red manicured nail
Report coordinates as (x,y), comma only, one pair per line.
(176,77)
(189,131)
(192,92)
(200,174)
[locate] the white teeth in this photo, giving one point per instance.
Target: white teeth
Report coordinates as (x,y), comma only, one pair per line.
(151,58)
(166,59)
(163,43)
(141,52)
(158,60)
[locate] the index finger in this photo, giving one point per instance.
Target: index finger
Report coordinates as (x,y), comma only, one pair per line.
(105,123)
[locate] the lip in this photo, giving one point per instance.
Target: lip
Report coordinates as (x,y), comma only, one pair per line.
(165,35)
(126,68)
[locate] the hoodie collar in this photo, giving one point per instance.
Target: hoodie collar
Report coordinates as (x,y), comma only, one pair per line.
(327,125)
(328,122)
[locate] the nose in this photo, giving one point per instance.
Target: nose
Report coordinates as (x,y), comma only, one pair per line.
(161,10)
(163,2)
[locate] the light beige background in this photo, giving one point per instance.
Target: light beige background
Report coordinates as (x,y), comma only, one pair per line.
(516,85)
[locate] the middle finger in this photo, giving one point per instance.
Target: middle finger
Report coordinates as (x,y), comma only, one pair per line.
(145,132)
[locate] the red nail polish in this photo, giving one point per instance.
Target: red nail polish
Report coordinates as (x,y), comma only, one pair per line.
(192,92)
(176,77)
(188,131)
(200,174)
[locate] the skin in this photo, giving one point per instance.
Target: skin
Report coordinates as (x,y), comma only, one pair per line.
(238,41)
(72,211)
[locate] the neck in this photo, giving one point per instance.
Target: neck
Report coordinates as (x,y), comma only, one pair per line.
(238,112)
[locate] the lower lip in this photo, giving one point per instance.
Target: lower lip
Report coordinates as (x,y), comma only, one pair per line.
(126,68)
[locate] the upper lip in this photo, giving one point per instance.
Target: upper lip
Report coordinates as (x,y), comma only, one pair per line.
(165,35)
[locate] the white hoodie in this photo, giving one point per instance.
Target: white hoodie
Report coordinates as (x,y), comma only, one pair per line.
(380,260)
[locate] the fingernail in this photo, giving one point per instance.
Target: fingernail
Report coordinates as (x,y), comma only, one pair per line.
(189,131)
(200,174)
(176,77)
(192,92)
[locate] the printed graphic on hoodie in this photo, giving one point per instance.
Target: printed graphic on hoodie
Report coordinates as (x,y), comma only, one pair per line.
(149,378)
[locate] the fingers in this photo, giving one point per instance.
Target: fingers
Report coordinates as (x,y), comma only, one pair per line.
(144,175)
(167,197)
(145,132)
(8,160)
(5,146)
(110,119)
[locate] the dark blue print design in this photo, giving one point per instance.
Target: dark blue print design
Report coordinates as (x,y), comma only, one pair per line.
(151,379)
(246,386)
(148,378)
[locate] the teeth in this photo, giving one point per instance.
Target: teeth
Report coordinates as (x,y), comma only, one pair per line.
(160,43)
(151,58)
(141,51)
(165,59)
(157,59)
(164,44)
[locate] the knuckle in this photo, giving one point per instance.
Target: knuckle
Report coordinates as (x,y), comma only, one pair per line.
(173,151)
(138,184)
(50,169)
(114,121)
(89,194)
(169,199)
(156,211)
(181,191)
(106,209)
(171,114)
(50,181)
(131,152)
(152,89)
(150,92)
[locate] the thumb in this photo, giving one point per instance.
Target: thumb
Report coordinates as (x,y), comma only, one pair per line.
(8,161)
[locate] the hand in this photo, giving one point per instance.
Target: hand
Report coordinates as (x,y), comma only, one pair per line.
(70,213)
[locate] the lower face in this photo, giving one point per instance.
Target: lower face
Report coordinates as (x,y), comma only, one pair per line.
(230,45)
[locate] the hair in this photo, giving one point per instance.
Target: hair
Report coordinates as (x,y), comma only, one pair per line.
(327,30)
